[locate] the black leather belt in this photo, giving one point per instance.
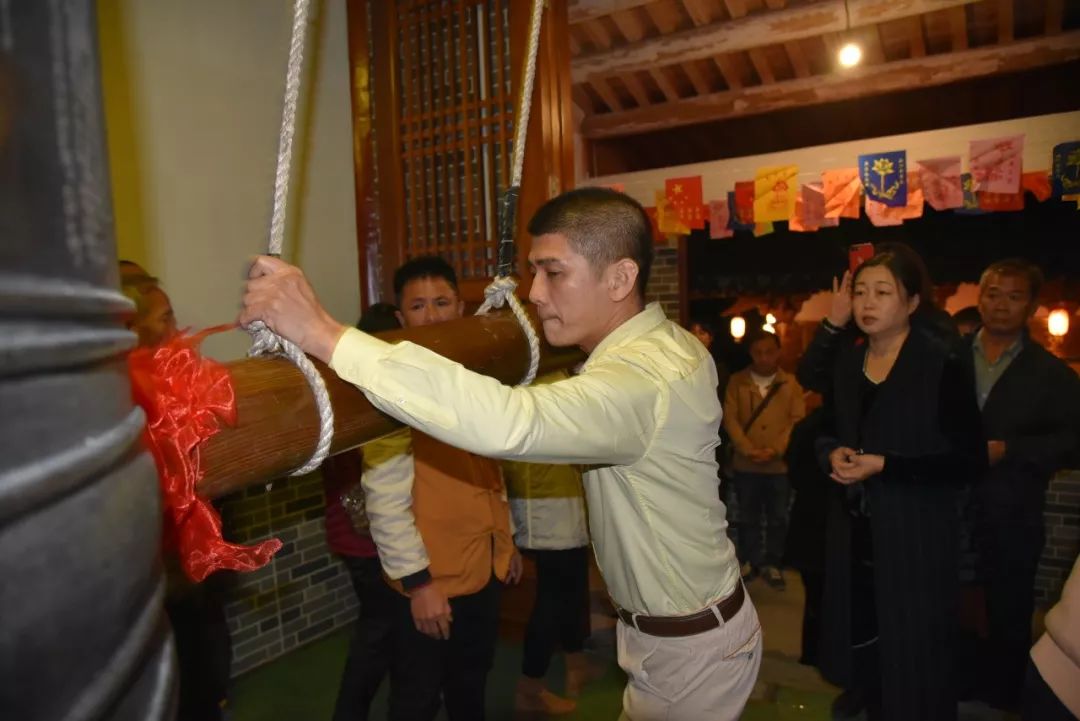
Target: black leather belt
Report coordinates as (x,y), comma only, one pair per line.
(700,622)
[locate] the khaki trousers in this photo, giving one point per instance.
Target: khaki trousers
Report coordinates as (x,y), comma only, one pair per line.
(705,677)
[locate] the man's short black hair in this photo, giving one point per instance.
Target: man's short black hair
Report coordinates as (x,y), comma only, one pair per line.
(1015,268)
(423,266)
(760,334)
(379,317)
(601,224)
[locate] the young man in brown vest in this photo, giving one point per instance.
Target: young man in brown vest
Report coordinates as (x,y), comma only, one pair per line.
(441,522)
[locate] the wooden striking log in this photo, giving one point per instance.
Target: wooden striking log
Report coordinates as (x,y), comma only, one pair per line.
(278,425)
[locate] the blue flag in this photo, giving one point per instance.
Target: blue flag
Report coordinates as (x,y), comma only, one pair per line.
(1065,175)
(884,177)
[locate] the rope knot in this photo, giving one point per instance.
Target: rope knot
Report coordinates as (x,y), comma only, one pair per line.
(497,294)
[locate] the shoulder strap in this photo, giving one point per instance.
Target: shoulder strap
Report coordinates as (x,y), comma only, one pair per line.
(773,390)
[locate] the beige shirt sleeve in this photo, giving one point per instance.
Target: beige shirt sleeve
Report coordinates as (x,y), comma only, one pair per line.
(608,414)
(796,411)
(388,483)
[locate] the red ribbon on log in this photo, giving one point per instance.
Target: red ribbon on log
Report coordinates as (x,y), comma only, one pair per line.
(186,398)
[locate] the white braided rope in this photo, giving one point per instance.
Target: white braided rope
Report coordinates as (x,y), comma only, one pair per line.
(521,121)
(501,290)
(263,340)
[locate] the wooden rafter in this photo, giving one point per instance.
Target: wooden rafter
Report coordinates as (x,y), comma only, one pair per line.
(737,9)
(1005,21)
(582,10)
(1055,16)
(916,39)
(629,23)
(861,82)
(958,25)
(748,32)
(791,47)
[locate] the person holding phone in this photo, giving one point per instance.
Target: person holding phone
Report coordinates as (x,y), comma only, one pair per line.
(904,436)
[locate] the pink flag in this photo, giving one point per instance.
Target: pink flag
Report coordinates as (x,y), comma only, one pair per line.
(810,210)
(718,220)
(940,179)
(996,164)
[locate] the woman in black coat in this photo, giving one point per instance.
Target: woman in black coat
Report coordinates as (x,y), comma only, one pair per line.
(906,436)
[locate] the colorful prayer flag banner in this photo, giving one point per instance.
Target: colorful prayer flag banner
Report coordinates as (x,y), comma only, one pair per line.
(810,210)
(617,187)
(684,199)
(996,164)
(1037,183)
(884,177)
(842,189)
(971,199)
(1000,201)
(657,236)
(881,214)
(774,193)
(761,229)
(667,219)
(733,214)
(719,215)
(1066,169)
(940,179)
(744,202)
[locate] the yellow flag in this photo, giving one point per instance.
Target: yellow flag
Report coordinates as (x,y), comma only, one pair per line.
(774,193)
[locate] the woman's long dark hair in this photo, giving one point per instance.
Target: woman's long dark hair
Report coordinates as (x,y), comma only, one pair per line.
(910,271)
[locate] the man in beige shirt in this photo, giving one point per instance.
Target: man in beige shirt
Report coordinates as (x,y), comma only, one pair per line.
(642,414)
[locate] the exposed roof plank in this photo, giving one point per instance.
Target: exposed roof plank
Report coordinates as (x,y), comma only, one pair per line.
(1055,16)
(1006,21)
(958,25)
(860,82)
(581,10)
(748,32)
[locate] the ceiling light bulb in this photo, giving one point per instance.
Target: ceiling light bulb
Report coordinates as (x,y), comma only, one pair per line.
(850,55)
(770,318)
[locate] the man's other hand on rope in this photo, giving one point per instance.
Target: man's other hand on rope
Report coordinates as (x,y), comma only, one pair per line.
(280,295)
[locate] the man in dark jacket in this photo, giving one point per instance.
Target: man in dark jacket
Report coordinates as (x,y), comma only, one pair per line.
(1030,404)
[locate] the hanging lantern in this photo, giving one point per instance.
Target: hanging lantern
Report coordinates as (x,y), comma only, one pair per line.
(1057,323)
(738,327)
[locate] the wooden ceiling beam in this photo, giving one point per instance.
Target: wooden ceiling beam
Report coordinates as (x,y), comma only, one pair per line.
(637,90)
(860,82)
(607,94)
(1055,16)
(727,69)
(958,25)
(581,10)
(1006,21)
(746,33)
(916,39)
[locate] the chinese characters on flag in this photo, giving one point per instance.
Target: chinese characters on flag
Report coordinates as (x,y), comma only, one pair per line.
(996,164)
(774,193)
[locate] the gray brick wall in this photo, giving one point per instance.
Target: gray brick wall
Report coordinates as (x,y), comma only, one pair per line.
(1062,536)
(304,593)
(664,281)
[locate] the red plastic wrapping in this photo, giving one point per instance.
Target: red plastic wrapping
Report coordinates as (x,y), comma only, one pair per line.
(186,398)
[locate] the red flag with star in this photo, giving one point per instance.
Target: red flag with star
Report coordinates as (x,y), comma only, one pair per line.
(684,198)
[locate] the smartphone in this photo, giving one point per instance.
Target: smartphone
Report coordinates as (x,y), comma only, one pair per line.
(859,254)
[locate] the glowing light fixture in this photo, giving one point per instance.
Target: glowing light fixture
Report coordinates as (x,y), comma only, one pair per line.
(1057,323)
(770,319)
(738,327)
(769,328)
(850,55)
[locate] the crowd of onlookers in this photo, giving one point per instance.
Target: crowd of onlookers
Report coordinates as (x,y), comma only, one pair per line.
(910,497)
